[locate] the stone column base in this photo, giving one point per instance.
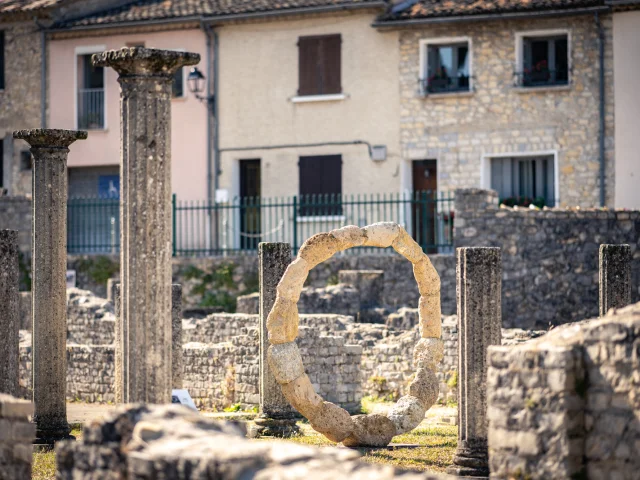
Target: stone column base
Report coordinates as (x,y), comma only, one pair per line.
(470,461)
(274,427)
(46,439)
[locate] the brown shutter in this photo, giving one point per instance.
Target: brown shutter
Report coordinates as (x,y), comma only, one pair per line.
(331,64)
(320,185)
(308,81)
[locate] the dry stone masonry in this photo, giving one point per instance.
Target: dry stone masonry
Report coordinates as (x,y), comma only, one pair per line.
(286,362)
(16,438)
(50,149)
(145,77)
(9,312)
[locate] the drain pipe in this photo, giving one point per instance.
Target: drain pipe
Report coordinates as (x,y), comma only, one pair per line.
(43,73)
(602,108)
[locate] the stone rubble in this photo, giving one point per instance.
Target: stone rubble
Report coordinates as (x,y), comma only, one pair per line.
(16,438)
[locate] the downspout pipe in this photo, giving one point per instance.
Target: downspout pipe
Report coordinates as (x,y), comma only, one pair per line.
(601,133)
(206,30)
(43,73)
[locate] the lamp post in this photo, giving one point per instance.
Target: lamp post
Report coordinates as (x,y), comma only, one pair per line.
(196,81)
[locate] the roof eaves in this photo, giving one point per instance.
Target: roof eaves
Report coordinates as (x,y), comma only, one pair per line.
(381,23)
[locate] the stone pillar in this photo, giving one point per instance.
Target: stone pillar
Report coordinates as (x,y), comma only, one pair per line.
(479,286)
(111,289)
(277,416)
(615,277)
(9,313)
(176,335)
(50,149)
(145,77)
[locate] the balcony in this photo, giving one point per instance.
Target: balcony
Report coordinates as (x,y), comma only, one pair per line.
(437,85)
(541,77)
(91,109)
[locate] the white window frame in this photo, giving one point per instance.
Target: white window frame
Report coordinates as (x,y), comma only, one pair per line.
(425,43)
(519,38)
(485,167)
(87,50)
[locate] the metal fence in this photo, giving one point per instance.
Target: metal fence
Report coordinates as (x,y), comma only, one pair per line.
(91,108)
(202,228)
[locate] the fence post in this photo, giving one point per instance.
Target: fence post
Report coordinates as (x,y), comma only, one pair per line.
(295,224)
(425,226)
(173,224)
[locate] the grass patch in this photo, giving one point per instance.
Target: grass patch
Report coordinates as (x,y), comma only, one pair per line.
(437,447)
(44,464)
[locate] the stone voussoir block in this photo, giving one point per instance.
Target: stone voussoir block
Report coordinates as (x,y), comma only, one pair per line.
(285,362)
(381,234)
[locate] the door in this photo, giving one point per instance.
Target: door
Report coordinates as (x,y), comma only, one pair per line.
(425,186)
(250,204)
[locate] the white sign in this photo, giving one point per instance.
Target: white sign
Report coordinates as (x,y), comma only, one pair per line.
(71,279)
(183,397)
(222,195)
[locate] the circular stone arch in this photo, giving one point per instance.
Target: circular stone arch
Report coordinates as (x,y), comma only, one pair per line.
(284,358)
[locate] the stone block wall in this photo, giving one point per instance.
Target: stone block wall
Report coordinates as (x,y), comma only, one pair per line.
(460,131)
(566,405)
(549,257)
(16,438)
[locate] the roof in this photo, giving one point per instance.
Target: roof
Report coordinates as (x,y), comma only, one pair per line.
(158,10)
(25,6)
(424,9)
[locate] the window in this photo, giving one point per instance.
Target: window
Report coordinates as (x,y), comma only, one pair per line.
(545,61)
(524,180)
(177,88)
(26,160)
(91,108)
(447,67)
(1,60)
(321,185)
(319,65)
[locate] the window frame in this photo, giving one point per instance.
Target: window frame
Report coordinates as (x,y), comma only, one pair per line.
(81,51)
(542,34)
(300,98)
(306,212)
(424,45)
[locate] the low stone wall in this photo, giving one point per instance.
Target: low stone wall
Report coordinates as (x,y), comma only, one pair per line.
(549,257)
(16,438)
(90,319)
(566,405)
(159,442)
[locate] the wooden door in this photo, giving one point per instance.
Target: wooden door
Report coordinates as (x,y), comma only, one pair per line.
(250,204)
(425,187)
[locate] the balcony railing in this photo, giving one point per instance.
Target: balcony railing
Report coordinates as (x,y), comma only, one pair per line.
(542,77)
(444,85)
(91,108)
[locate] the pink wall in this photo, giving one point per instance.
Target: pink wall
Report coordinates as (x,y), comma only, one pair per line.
(189,116)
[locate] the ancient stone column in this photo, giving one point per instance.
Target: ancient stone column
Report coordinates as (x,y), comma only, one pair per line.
(50,149)
(277,416)
(176,335)
(9,313)
(615,277)
(479,285)
(145,77)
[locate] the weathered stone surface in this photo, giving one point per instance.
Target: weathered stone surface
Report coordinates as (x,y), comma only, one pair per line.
(426,277)
(425,386)
(381,234)
(368,283)
(16,438)
(428,353)
(282,321)
(333,422)
(273,260)
(319,248)
(406,246)
(303,397)
(430,317)
(145,214)
(176,337)
(249,304)
(349,236)
(407,414)
(296,274)
(479,276)
(615,277)
(49,265)
(285,362)
(9,312)
(172,442)
(370,431)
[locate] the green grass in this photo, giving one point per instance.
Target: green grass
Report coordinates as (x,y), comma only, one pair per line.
(435,454)
(44,464)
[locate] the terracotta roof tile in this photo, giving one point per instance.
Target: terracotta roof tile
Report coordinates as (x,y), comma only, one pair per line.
(18,6)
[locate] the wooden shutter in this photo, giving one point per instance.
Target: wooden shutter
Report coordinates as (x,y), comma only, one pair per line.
(320,175)
(319,65)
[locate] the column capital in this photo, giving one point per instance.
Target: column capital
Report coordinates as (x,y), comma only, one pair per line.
(50,137)
(145,62)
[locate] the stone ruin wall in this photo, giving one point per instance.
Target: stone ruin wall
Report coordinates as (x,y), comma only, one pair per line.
(566,405)
(345,360)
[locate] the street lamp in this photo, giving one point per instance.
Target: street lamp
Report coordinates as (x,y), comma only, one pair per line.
(196,82)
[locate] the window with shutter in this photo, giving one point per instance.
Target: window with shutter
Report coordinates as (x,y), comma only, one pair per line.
(319,65)
(321,185)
